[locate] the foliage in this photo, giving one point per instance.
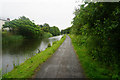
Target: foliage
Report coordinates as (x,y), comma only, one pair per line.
(55,42)
(45,27)
(54,31)
(66,31)
(49,45)
(27,69)
(98,27)
(47,35)
(93,69)
(24,26)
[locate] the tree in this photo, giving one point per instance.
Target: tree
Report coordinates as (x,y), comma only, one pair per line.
(66,31)
(25,27)
(54,31)
(99,25)
(45,27)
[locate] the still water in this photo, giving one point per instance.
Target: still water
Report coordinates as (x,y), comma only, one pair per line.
(17,53)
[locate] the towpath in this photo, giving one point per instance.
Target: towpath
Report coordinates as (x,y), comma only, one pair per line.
(64,63)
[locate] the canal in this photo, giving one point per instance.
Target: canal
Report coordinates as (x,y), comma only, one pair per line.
(15,54)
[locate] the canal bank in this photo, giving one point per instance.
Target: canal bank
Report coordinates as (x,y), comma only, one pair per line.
(63,64)
(26,69)
(15,53)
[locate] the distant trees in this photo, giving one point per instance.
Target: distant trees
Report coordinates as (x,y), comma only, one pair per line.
(66,31)
(54,31)
(45,27)
(23,26)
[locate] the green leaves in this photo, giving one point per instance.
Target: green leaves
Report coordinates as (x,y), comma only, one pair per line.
(66,31)
(25,27)
(100,23)
(54,31)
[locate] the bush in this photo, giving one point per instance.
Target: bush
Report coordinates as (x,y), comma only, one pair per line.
(47,35)
(49,45)
(97,26)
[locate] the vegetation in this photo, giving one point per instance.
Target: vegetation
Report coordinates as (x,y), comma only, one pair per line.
(55,42)
(47,35)
(93,68)
(49,45)
(45,27)
(21,31)
(54,31)
(95,34)
(26,69)
(96,27)
(66,31)
(23,26)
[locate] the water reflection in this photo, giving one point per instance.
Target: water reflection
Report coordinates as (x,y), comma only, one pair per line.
(17,53)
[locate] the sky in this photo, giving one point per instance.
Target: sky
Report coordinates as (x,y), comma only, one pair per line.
(54,12)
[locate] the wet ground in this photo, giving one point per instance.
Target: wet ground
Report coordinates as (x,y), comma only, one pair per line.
(63,64)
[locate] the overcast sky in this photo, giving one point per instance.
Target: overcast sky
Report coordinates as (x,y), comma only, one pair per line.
(54,12)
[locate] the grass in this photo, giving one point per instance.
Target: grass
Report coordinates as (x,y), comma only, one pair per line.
(93,69)
(26,69)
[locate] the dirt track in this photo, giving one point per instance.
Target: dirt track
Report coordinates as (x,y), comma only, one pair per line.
(63,64)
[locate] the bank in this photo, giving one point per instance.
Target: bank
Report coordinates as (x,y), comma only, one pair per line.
(27,69)
(94,70)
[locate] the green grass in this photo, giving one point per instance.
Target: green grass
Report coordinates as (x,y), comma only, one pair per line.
(26,69)
(93,69)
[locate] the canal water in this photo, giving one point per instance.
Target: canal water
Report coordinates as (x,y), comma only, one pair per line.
(17,53)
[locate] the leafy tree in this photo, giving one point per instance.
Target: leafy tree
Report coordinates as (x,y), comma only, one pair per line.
(25,27)
(54,31)
(46,27)
(41,26)
(99,25)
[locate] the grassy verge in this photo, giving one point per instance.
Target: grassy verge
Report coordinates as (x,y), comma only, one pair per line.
(93,69)
(26,69)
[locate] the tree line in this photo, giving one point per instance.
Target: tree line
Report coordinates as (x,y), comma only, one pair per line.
(66,31)
(97,26)
(23,26)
